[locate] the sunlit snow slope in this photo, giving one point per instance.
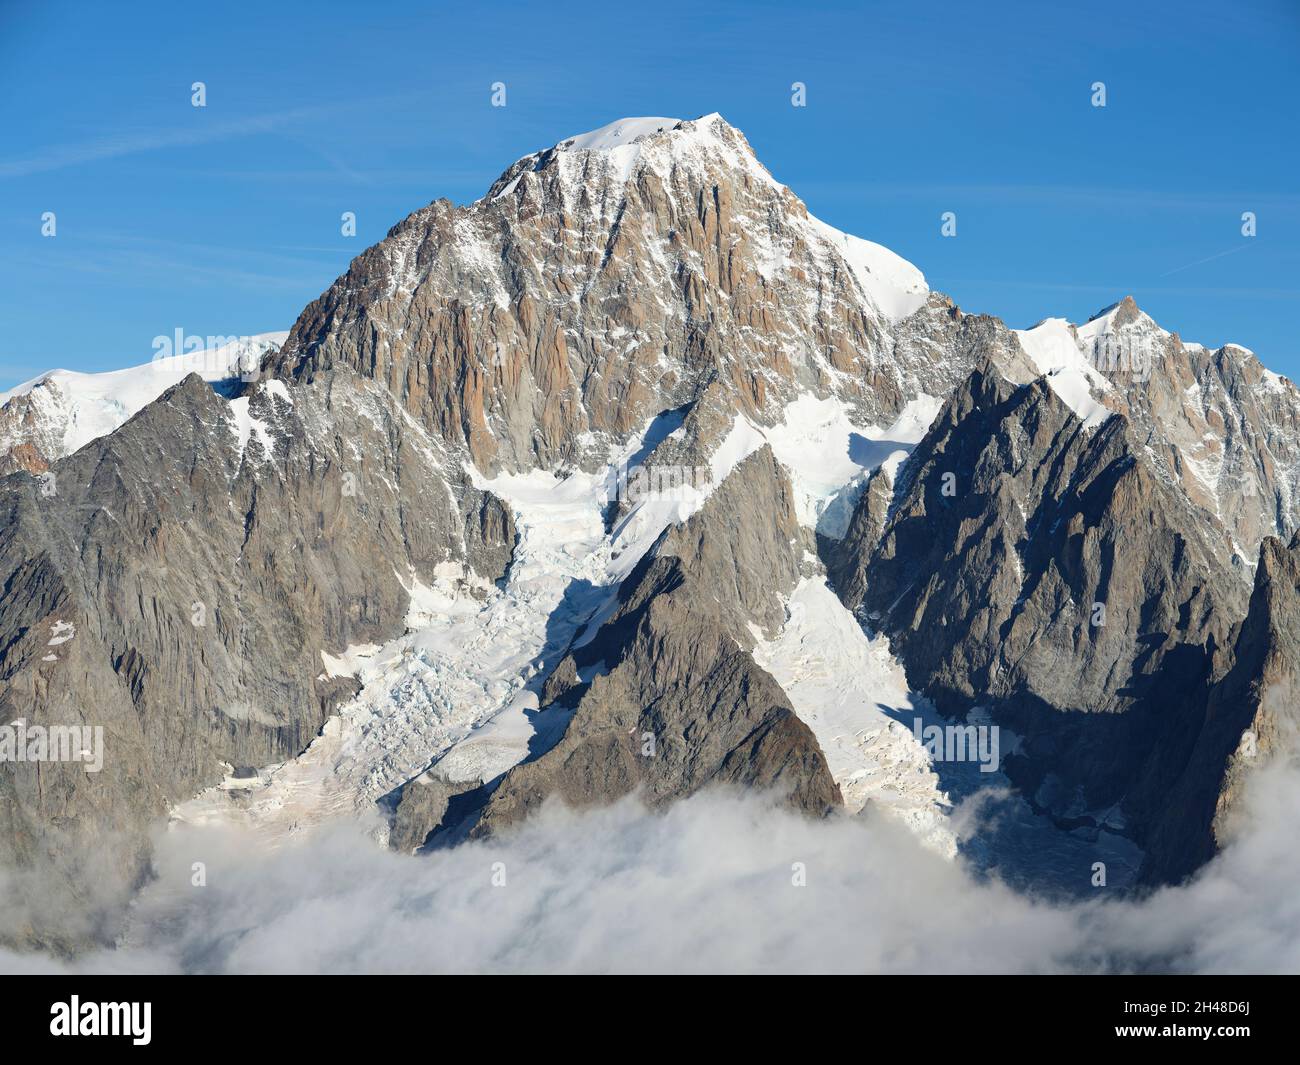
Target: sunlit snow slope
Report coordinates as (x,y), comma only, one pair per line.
(460,689)
(63,410)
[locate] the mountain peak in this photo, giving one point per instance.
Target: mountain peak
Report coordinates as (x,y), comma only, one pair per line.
(617,134)
(1120,313)
(627,145)
(1116,317)
(625,131)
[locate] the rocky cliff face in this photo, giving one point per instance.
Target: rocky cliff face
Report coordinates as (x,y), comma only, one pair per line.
(1246,717)
(604,280)
(1045,569)
(176,583)
(666,696)
(1070,545)
(1213,423)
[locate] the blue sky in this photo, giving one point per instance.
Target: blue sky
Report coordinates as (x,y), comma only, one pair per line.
(224,220)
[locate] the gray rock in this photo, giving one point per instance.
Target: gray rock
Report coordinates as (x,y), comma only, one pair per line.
(680,703)
(176,583)
(421,807)
(574,302)
(1246,718)
(1215,423)
(1046,571)
(536,328)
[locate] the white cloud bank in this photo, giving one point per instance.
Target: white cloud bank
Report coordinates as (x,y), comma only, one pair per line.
(705,886)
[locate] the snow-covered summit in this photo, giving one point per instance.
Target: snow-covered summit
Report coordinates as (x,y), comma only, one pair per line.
(1082,363)
(1122,315)
(1214,422)
(618,134)
(61,411)
(1054,347)
(710,144)
(628,143)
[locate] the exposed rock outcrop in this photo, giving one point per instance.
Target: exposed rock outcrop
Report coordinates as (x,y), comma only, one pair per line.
(178,580)
(176,583)
(1249,716)
(1215,423)
(1042,568)
(591,289)
(676,701)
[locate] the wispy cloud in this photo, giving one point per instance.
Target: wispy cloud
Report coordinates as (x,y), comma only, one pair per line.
(61,156)
(1121,287)
(132,259)
(203,131)
(144,269)
(1050,195)
(1208,258)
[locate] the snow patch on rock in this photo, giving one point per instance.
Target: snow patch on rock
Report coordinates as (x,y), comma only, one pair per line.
(349,663)
(71,409)
(894,286)
(1056,353)
(827,452)
(845,687)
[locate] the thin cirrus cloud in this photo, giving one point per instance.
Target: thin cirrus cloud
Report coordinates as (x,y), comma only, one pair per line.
(59,157)
(1052,195)
(62,156)
(144,263)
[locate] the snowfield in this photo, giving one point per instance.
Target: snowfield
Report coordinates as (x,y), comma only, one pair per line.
(460,689)
(847,689)
(1055,352)
(73,409)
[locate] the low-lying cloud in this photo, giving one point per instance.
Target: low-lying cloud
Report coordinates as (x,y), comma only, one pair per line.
(716,883)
